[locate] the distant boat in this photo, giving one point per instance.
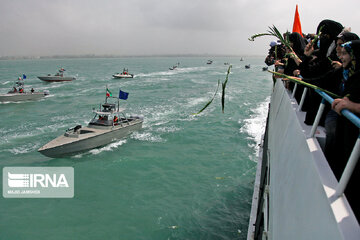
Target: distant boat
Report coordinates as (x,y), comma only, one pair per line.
(124,74)
(265,68)
(247,66)
(226,63)
(209,62)
(241,59)
(18,93)
(58,77)
(174,67)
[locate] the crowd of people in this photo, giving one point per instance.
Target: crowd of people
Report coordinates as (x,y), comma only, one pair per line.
(329,59)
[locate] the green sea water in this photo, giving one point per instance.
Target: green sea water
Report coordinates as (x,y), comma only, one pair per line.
(180,177)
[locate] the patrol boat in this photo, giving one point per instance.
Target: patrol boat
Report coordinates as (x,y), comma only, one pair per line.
(108,125)
(58,77)
(18,93)
(125,74)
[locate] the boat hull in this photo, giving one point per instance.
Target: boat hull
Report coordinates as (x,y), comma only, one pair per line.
(64,146)
(294,190)
(19,97)
(123,76)
(56,79)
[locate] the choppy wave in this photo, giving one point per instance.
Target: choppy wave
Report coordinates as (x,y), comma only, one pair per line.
(146,136)
(24,148)
(5,83)
(168,129)
(172,72)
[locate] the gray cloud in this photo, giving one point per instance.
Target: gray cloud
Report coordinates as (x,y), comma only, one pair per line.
(143,27)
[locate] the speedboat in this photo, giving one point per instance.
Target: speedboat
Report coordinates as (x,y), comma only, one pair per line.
(58,77)
(108,125)
(124,74)
(209,62)
(18,93)
(247,66)
(175,66)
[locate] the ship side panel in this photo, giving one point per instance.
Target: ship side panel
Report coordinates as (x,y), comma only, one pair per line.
(298,205)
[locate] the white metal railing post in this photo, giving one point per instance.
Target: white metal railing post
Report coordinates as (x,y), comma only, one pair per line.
(302,99)
(294,90)
(355,154)
(317,118)
(350,166)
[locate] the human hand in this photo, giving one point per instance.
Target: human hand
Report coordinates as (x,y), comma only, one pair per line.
(309,49)
(336,64)
(296,72)
(339,104)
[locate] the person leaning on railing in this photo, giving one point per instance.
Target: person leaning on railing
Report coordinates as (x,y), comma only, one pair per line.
(347,133)
(331,81)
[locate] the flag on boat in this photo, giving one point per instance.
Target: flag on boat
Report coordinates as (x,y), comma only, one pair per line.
(24,76)
(123,95)
(297,23)
(108,93)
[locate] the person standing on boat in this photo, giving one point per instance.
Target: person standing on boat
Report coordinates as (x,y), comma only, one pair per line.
(331,82)
(346,132)
(298,44)
(317,63)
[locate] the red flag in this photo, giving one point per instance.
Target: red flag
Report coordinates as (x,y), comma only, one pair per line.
(297,23)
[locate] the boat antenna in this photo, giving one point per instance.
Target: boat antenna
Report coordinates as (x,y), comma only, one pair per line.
(106,97)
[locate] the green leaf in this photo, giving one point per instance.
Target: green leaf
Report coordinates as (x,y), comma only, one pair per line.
(206,105)
(305,84)
(223,89)
(252,38)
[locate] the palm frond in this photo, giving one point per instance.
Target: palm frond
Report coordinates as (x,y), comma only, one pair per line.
(252,38)
(206,105)
(317,35)
(277,34)
(223,89)
(305,84)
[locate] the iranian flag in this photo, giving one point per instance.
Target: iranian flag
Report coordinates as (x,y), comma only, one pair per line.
(108,93)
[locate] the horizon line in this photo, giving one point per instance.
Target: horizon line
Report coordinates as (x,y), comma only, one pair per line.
(58,56)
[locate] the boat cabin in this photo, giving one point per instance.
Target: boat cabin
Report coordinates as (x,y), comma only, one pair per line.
(109,116)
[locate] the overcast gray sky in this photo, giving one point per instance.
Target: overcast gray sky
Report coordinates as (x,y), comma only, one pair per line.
(146,27)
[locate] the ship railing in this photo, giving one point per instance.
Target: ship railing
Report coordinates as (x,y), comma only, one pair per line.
(355,154)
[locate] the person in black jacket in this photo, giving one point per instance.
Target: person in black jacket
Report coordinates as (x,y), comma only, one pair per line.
(346,132)
(318,62)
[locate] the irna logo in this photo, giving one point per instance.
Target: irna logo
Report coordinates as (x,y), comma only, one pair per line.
(38,182)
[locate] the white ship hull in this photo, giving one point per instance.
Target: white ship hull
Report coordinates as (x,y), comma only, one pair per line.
(294,193)
(123,76)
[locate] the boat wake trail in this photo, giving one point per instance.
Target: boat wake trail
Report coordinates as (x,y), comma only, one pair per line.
(255,125)
(108,147)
